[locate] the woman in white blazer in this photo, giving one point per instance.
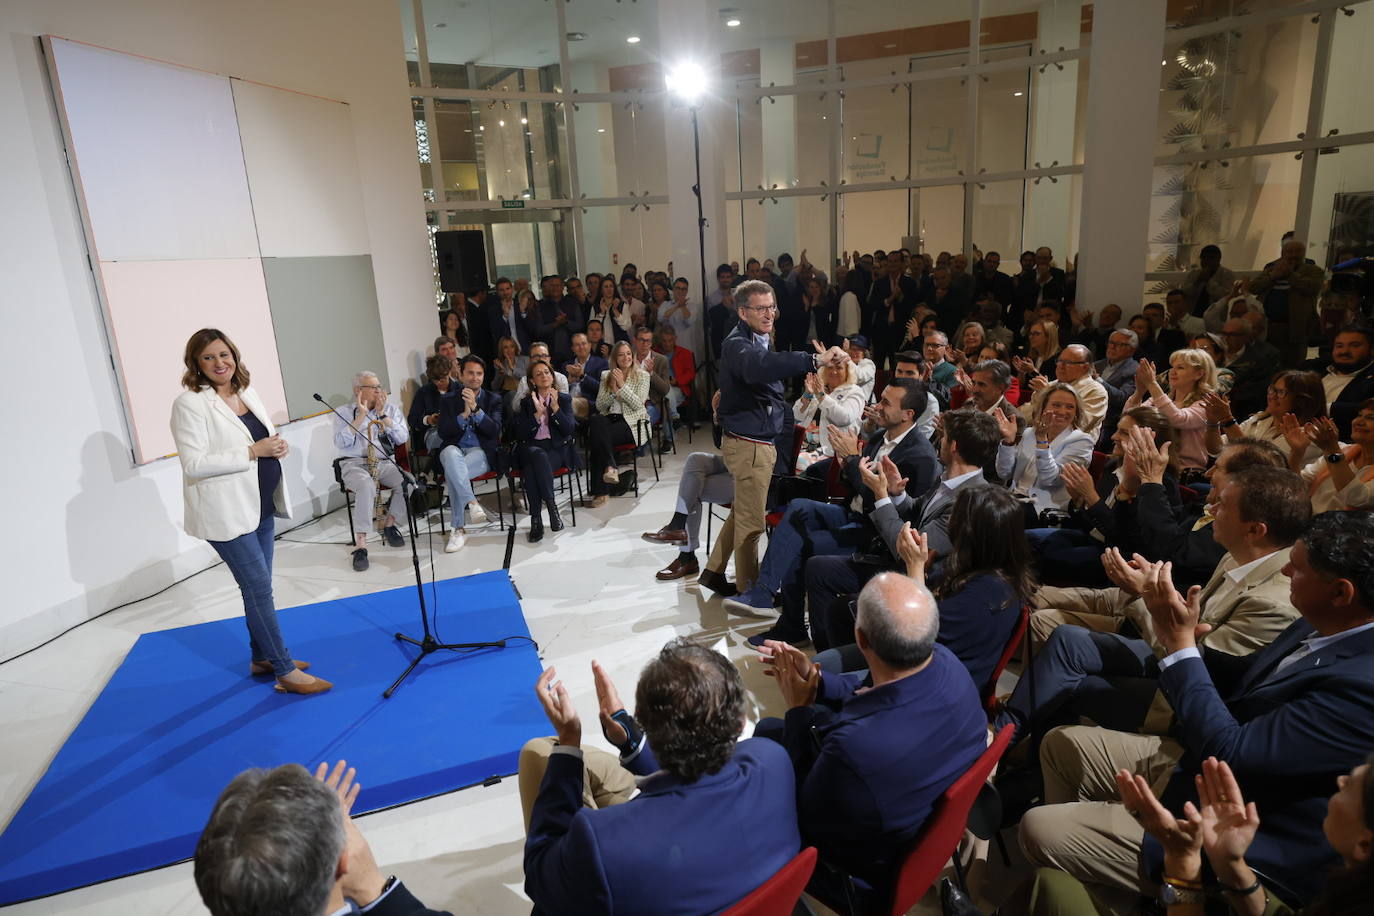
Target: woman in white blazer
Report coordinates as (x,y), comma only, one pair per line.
(1032,464)
(232,485)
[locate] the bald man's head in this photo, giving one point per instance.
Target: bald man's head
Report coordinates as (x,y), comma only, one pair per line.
(899,620)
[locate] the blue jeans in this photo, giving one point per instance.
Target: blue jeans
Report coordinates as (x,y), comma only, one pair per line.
(460,466)
(808,528)
(249,558)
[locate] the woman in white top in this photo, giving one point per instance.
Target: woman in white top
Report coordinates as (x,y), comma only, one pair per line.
(1192,376)
(232,486)
(865,371)
(832,399)
(1343,478)
(1291,391)
(1033,464)
(621,418)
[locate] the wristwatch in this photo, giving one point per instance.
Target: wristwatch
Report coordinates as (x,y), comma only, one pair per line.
(1170,895)
(1335,457)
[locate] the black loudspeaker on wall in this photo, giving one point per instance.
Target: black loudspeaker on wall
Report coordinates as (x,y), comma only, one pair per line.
(462,260)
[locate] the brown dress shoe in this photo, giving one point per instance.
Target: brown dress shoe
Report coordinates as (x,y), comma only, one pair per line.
(717,583)
(685,565)
(318,685)
(666,536)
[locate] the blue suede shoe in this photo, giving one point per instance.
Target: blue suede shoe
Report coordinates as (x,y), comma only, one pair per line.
(756,602)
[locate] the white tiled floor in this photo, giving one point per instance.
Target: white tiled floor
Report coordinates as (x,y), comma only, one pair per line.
(589,592)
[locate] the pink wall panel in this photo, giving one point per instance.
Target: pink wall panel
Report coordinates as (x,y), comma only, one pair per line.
(155,306)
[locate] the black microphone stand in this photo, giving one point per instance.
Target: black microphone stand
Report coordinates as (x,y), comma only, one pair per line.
(427,644)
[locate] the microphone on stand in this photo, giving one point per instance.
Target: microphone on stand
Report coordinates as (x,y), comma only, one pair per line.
(386,452)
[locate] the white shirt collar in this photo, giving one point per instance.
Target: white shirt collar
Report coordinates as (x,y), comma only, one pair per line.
(955,482)
(1238,574)
(1331,370)
(893,443)
(1316,643)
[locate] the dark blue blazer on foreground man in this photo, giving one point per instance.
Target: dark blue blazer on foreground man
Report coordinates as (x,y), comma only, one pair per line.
(1288,734)
(676,849)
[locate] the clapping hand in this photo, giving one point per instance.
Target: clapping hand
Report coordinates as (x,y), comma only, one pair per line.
(1038,382)
(1217,406)
(799,679)
(1322,433)
(896,483)
(362,882)
(1144,376)
(1079,482)
(1150,460)
(1128,575)
(608,704)
(913,548)
(1180,837)
(955,356)
(558,707)
(1176,618)
(872,478)
(617,378)
(1023,365)
(813,385)
(1293,433)
(1229,824)
(469,400)
(842,443)
(1006,424)
(962,380)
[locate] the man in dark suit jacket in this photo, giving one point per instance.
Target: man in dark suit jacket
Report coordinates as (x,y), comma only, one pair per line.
(506,319)
(810,528)
(988,278)
(1042,283)
(1289,719)
(1117,374)
(664,851)
(584,374)
(873,753)
(556,318)
(891,301)
(283,839)
(1352,358)
(470,434)
(424,407)
(968,445)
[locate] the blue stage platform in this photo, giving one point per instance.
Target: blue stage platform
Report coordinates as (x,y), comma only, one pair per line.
(133,786)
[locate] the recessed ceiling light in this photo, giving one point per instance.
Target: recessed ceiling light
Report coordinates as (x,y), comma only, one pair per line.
(500,123)
(1018,93)
(633,39)
(601,130)
(481,127)
(732,23)
(524,120)
(1164,63)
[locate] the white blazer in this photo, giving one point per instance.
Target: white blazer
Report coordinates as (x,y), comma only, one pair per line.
(219,480)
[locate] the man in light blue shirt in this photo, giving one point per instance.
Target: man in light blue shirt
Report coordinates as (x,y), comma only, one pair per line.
(377,423)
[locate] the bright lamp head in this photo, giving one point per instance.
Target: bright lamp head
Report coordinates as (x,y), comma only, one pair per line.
(687,81)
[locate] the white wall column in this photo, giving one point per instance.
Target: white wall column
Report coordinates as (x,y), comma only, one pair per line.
(594,138)
(778,64)
(1054,108)
(692,26)
(1119,149)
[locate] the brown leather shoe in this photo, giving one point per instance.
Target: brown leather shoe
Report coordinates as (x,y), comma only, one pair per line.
(666,536)
(318,685)
(685,565)
(717,583)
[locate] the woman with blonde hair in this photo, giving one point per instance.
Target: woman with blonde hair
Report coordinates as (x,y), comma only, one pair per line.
(970,337)
(509,367)
(1033,464)
(621,418)
(831,399)
(1192,376)
(1042,352)
(1290,391)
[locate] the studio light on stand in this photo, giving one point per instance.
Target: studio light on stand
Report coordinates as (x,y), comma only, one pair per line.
(687,83)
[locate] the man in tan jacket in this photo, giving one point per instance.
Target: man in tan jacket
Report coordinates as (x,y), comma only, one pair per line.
(1111,677)
(1288,288)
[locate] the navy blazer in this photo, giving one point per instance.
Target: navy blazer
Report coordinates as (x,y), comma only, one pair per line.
(426,401)
(401,902)
(562,426)
(870,766)
(499,327)
(676,849)
(751,376)
(1287,736)
(590,384)
(486,422)
(976,623)
(915,459)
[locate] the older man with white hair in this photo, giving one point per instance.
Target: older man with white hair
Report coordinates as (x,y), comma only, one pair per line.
(874,750)
(378,425)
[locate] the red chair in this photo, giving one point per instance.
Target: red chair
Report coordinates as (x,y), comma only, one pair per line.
(1018,634)
(779,894)
(1098,465)
(565,480)
(940,835)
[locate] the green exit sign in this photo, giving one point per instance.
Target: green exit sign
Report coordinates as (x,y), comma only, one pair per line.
(512,205)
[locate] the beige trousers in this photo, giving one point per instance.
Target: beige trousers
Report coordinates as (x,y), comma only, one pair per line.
(604,781)
(1083,829)
(751,466)
(1100,609)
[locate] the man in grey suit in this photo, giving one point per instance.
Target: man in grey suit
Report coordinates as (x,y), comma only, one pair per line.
(1117,374)
(969,444)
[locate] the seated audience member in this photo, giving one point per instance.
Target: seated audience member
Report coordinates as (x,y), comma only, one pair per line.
(1290,719)
(1183,537)
(1179,325)
(1245,606)
(1348,376)
(1291,391)
(1251,361)
(1145,333)
(454,324)
(620,419)
(1192,376)
(596,338)
(934,348)
(831,400)
(909,364)
(1042,351)
(509,368)
(863,366)
(677,316)
(470,434)
(984,387)
(705,479)
(989,315)
(543,428)
(809,528)
(1116,374)
(281,841)
(981,584)
(1213,346)
(596,847)
(1344,477)
(377,419)
(994,349)
(540,351)
(1103,512)
(682,372)
(1096,336)
(967,446)
(446,346)
(970,336)
(424,409)
(855,739)
(1074,368)
(584,375)
(660,385)
(1032,465)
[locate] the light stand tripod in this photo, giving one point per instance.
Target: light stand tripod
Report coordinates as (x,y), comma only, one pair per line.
(427,644)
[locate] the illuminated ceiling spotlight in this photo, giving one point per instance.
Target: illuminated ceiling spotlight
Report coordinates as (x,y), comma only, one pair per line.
(633,39)
(687,80)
